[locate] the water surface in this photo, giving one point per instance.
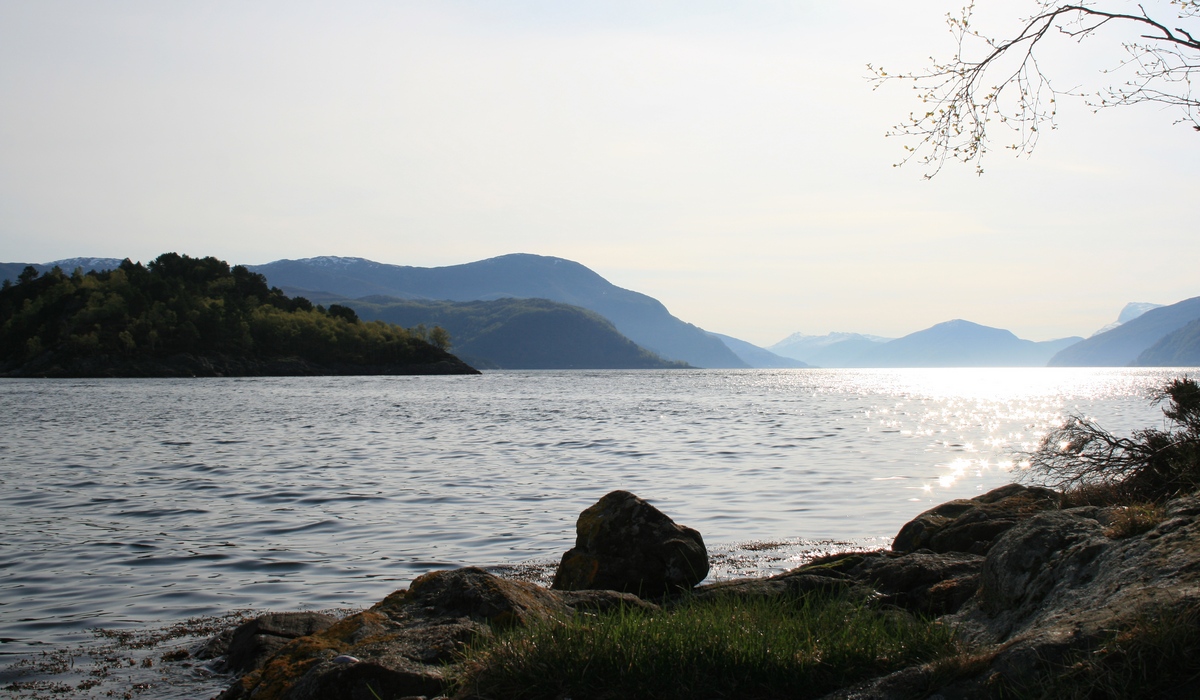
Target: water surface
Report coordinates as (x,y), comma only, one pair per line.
(135,502)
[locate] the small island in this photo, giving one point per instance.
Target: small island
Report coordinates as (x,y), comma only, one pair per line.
(180,316)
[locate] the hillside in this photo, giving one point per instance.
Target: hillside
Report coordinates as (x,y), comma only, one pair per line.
(756,357)
(1179,348)
(518,333)
(640,318)
(1123,345)
(182,316)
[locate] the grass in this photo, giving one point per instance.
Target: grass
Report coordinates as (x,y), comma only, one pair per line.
(713,648)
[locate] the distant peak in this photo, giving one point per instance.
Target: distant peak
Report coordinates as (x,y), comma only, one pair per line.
(99,264)
(531,257)
(335,261)
(1134,309)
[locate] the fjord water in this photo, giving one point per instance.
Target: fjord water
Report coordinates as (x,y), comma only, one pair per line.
(129,502)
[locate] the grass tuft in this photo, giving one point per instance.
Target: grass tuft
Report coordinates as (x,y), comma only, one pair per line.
(1134,520)
(724,647)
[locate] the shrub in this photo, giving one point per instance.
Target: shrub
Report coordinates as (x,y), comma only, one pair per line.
(1151,465)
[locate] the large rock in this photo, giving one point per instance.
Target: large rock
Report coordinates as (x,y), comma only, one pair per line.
(253,642)
(1054,588)
(400,646)
(625,544)
(972,525)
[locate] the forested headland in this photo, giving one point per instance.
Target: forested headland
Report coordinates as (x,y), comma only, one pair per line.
(185,316)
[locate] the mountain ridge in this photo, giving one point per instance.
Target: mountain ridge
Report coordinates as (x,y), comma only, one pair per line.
(1123,345)
(642,319)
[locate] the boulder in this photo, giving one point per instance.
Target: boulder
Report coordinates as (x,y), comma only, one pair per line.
(625,544)
(253,642)
(972,525)
(400,646)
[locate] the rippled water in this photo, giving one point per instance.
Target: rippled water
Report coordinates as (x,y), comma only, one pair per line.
(128,502)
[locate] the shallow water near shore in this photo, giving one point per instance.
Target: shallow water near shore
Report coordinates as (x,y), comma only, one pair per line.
(130,504)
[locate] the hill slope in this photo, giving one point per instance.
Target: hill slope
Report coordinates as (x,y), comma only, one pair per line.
(1123,345)
(756,357)
(517,333)
(1180,348)
(642,319)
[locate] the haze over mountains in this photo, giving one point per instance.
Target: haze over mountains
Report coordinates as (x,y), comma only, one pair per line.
(954,343)
(531,311)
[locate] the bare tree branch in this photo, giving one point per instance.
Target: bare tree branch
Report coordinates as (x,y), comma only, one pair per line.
(1000,80)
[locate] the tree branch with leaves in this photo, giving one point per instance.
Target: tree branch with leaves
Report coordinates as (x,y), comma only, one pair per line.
(996,81)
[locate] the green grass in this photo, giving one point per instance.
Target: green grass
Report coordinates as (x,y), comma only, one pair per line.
(728,647)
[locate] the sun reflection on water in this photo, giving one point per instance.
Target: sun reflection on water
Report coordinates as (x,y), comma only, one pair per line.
(986,420)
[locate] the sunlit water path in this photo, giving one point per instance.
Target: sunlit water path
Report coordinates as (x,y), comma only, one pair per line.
(133,502)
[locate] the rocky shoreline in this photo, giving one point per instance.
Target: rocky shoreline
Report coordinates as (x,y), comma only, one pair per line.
(1025,581)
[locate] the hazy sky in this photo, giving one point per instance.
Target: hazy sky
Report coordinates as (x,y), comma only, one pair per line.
(727,158)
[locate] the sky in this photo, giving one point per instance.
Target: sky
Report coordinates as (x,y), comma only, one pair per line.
(726,158)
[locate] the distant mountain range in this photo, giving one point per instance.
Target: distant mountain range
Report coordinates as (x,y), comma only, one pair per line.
(830,350)
(586,321)
(1125,344)
(954,343)
(9,271)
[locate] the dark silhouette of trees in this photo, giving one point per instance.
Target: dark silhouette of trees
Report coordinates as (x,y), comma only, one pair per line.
(999,82)
(182,305)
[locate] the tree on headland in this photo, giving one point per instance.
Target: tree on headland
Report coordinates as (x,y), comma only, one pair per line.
(995,81)
(135,316)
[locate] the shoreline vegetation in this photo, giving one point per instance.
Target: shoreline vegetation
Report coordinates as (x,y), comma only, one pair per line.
(180,316)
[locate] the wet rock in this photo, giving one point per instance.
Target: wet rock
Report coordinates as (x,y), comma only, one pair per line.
(822,576)
(972,525)
(255,641)
(625,544)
